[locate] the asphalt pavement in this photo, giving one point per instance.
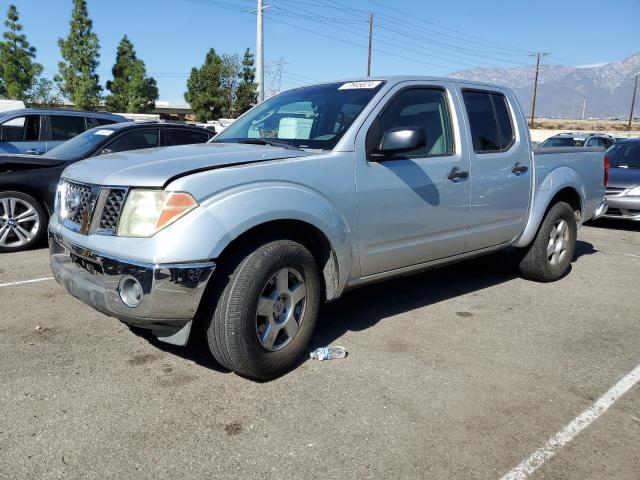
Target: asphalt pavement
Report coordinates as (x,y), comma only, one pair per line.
(461,372)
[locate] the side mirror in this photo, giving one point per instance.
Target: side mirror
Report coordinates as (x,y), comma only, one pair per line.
(105,151)
(402,140)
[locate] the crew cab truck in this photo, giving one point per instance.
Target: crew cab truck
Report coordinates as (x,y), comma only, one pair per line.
(315,191)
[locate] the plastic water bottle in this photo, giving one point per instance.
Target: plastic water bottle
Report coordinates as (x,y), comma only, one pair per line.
(328,353)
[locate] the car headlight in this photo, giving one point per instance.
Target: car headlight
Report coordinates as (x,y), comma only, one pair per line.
(146,212)
(634,192)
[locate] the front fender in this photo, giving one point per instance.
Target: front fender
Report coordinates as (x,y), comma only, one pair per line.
(228,214)
(548,184)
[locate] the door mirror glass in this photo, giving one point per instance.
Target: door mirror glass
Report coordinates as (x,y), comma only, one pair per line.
(402,140)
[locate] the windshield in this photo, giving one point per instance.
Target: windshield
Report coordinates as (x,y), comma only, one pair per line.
(624,155)
(80,145)
(563,142)
(310,117)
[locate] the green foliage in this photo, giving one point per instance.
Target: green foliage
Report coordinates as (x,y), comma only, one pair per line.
(131,90)
(45,94)
(78,78)
(247,92)
(18,71)
(222,87)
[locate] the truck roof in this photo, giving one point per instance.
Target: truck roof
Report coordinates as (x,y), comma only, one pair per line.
(394,79)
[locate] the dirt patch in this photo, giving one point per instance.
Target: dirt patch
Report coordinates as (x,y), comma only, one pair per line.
(464,314)
(138,360)
(233,428)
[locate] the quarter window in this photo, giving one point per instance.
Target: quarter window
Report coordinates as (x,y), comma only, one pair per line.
(417,107)
(489,120)
(66,127)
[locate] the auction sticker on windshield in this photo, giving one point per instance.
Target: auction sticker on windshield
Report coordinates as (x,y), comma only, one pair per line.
(104,132)
(362,84)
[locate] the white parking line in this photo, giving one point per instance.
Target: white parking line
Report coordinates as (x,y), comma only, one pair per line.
(582,421)
(11,284)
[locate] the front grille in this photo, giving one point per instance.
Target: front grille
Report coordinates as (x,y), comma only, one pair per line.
(112,208)
(83,200)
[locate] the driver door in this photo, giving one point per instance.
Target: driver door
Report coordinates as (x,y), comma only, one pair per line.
(414,207)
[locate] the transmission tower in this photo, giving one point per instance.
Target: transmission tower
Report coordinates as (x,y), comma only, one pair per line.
(273,77)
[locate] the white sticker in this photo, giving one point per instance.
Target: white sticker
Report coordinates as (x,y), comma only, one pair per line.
(104,132)
(362,84)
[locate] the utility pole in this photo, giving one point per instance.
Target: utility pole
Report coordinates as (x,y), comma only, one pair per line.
(535,84)
(633,100)
(260,52)
(370,38)
(584,106)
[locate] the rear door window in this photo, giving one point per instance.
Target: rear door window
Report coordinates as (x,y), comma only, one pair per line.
(178,136)
(21,129)
(489,120)
(65,127)
(135,140)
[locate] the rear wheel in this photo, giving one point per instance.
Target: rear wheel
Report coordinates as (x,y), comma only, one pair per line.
(266,312)
(549,256)
(23,221)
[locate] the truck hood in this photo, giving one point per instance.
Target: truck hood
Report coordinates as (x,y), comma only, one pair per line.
(624,177)
(14,162)
(155,167)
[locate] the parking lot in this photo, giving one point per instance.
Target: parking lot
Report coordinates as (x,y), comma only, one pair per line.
(462,372)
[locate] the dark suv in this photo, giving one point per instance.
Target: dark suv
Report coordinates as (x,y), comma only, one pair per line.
(28,183)
(37,131)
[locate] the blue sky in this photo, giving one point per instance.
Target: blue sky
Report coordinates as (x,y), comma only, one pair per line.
(325,39)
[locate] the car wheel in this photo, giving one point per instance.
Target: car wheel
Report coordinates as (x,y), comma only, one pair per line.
(23,221)
(266,311)
(549,256)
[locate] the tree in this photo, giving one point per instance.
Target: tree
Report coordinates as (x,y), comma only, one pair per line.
(131,90)
(247,92)
(18,71)
(205,89)
(45,94)
(77,76)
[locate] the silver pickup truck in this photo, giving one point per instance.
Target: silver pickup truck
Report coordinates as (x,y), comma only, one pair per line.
(315,191)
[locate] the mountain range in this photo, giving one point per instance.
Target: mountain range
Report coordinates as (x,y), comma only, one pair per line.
(607,88)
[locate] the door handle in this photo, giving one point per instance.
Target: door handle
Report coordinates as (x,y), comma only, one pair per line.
(34,151)
(457,174)
(518,169)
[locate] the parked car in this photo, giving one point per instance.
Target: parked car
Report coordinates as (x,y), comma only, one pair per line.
(312,192)
(28,182)
(579,140)
(623,189)
(36,131)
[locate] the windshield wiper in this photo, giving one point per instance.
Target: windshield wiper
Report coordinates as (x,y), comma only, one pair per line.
(268,141)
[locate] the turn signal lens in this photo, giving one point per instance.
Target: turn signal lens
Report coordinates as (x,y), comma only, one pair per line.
(146,212)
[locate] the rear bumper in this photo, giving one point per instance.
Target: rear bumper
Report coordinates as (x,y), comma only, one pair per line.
(171,293)
(627,208)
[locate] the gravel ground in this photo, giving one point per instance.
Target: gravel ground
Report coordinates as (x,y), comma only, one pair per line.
(460,372)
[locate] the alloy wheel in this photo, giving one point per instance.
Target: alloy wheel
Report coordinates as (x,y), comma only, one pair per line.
(19,222)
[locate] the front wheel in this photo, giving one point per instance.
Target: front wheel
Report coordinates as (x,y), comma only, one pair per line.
(23,221)
(549,256)
(266,312)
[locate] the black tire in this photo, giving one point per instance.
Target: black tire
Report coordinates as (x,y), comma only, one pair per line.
(232,327)
(535,262)
(37,228)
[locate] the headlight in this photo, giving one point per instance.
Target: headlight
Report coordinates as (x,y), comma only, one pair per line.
(146,212)
(634,192)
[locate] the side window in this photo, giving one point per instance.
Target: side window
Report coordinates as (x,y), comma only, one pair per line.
(135,140)
(606,142)
(21,129)
(104,121)
(65,127)
(489,120)
(417,107)
(593,143)
(176,136)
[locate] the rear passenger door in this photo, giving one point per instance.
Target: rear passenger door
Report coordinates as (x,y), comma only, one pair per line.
(64,127)
(184,136)
(500,174)
(23,134)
